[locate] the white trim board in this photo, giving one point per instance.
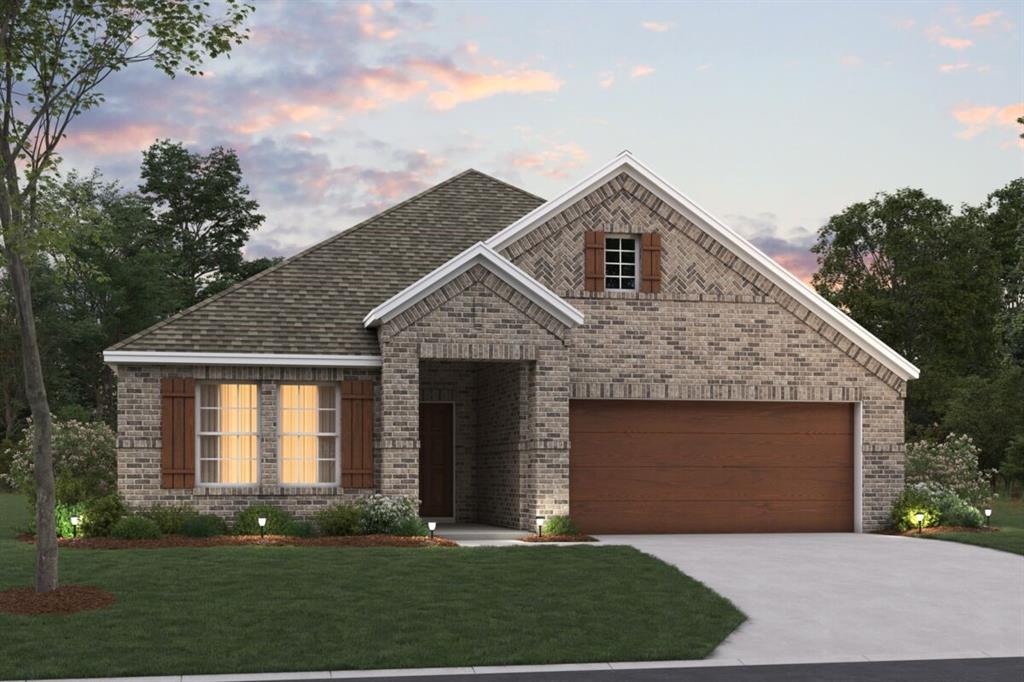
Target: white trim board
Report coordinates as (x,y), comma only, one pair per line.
(478,254)
(625,162)
(139,357)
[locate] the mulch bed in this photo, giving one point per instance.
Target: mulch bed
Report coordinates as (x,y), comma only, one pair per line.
(169,541)
(558,538)
(935,530)
(25,601)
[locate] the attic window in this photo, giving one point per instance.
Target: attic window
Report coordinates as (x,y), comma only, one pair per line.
(620,263)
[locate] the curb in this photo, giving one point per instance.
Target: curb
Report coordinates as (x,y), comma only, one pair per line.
(516,669)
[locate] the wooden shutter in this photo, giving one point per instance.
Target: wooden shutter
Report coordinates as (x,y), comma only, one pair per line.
(593,258)
(356,434)
(177,432)
(650,262)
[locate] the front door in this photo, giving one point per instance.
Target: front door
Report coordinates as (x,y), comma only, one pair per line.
(436,450)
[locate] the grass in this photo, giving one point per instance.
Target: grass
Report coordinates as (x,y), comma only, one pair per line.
(1008,517)
(260,609)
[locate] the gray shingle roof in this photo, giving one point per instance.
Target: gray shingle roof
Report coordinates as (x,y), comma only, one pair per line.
(315,301)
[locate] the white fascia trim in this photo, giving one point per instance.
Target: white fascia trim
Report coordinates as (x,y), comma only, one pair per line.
(135,357)
(478,254)
(785,280)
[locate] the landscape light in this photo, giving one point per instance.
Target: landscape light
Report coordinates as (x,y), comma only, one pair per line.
(75,520)
(540,525)
(432,526)
(920,521)
(988,514)
(262,520)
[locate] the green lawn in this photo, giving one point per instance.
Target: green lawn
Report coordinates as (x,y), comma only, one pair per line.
(1008,517)
(251,609)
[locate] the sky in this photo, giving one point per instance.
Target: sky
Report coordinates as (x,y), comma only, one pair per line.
(773,116)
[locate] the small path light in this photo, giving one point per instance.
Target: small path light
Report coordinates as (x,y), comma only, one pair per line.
(262,520)
(540,526)
(988,514)
(431,526)
(75,520)
(920,521)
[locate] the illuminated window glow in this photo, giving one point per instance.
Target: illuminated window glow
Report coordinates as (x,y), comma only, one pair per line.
(228,432)
(309,435)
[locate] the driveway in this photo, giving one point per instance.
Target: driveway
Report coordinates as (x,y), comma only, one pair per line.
(830,597)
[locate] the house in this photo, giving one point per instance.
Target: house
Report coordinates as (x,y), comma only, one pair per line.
(615,353)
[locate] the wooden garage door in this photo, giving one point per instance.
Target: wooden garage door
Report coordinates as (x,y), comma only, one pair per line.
(710,467)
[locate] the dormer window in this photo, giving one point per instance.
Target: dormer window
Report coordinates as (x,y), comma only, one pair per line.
(621,262)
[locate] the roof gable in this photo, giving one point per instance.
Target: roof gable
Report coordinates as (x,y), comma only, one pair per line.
(729,239)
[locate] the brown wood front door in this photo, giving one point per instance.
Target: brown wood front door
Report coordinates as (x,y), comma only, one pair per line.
(436,466)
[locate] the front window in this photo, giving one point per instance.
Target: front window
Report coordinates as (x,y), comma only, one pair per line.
(620,263)
(228,431)
(309,435)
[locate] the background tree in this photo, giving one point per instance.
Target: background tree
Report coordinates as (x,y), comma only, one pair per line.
(204,208)
(55,54)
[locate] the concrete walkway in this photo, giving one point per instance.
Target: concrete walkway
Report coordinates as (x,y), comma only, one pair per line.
(480,535)
(818,597)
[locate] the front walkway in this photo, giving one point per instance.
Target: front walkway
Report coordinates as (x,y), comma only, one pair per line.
(817,597)
(480,535)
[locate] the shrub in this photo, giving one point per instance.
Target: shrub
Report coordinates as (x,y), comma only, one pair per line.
(340,519)
(170,518)
(955,512)
(951,465)
(136,527)
(84,461)
(915,498)
(560,525)
(277,520)
(411,527)
(203,526)
(100,515)
(64,514)
(300,529)
(381,515)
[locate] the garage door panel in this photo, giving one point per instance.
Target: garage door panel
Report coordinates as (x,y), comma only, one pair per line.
(705,449)
(646,416)
(678,516)
(710,483)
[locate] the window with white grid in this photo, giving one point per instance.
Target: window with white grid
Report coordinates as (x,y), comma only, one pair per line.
(309,443)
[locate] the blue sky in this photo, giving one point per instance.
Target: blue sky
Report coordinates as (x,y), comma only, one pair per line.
(774,116)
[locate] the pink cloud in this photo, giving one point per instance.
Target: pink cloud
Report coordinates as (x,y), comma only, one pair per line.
(119,138)
(641,70)
(557,161)
(938,34)
(657,26)
(952,68)
(459,85)
(978,119)
(983,20)
(607,79)
(851,60)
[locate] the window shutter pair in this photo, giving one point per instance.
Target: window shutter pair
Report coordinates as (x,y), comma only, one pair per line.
(178,433)
(650,261)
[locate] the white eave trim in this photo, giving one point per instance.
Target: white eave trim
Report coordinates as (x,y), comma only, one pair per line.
(785,280)
(478,254)
(134,357)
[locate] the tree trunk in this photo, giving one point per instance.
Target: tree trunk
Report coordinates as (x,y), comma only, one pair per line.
(35,392)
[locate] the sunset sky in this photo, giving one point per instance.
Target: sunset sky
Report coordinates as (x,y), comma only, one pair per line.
(774,116)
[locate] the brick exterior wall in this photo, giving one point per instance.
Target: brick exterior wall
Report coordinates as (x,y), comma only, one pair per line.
(718,330)
(138,440)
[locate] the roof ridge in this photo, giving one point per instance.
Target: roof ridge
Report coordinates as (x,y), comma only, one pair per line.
(324,242)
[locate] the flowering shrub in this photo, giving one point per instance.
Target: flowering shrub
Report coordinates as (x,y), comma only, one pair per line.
(84,461)
(955,512)
(952,466)
(387,515)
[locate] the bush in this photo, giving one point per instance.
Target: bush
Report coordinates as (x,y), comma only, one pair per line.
(411,527)
(300,529)
(171,519)
(915,498)
(100,515)
(64,514)
(951,465)
(203,526)
(84,461)
(136,527)
(277,520)
(340,519)
(560,525)
(955,512)
(382,515)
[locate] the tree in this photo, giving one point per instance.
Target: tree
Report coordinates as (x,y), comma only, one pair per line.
(923,280)
(55,55)
(204,207)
